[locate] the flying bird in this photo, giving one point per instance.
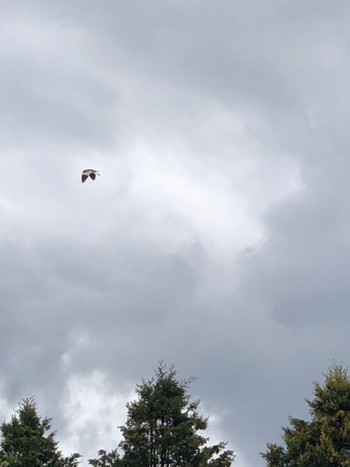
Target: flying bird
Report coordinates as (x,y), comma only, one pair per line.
(86,173)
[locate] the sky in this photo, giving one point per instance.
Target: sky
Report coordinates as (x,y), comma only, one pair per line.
(217,237)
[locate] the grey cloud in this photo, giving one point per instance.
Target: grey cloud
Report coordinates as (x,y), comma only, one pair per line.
(203,88)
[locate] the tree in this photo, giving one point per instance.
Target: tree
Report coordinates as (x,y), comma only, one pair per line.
(110,459)
(25,442)
(163,429)
(325,440)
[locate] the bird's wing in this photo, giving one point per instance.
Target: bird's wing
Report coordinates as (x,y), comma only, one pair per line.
(83,178)
(93,175)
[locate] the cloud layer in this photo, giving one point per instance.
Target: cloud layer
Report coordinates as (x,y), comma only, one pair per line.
(216,238)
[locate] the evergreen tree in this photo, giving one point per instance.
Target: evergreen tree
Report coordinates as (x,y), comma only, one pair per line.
(110,459)
(325,440)
(162,429)
(25,442)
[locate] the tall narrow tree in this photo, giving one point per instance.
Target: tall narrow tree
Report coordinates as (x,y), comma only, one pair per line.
(163,428)
(26,443)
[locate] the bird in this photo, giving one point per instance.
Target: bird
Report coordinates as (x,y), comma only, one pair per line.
(86,173)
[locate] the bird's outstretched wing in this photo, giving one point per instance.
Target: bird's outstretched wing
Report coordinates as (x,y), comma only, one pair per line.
(83,178)
(93,175)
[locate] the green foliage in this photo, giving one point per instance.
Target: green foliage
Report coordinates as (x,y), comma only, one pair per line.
(163,426)
(325,440)
(110,459)
(275,455)
(25,443)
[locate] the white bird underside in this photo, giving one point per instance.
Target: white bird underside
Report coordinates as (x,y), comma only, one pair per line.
(86,173)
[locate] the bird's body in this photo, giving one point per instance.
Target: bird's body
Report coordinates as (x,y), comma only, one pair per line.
(86,173)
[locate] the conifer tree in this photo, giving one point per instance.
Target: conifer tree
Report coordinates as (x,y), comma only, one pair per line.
(26,443)
(163,428)
(324,441)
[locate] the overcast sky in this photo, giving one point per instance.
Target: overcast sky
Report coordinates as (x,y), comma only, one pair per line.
(218,235)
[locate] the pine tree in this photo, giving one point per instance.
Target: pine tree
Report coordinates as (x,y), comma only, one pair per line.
(25,442)
(325,440)
(163,428)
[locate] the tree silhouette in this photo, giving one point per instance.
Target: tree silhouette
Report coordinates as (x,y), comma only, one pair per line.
(25,442)
(163,428)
